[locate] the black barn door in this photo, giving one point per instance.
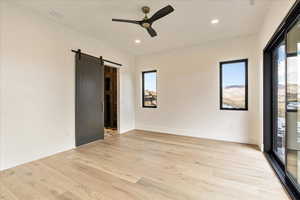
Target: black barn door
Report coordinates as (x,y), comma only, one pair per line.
(89,99)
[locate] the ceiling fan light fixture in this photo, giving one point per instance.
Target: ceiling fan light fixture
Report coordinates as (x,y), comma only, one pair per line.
(146,25)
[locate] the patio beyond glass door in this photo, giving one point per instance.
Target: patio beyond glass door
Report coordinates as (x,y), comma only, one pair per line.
(293,104)
(279,99)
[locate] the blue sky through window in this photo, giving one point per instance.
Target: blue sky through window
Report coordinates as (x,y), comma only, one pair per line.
(233,74)
(281,64)
(150,81)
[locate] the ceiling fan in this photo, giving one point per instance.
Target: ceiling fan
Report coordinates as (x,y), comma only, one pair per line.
(147,22)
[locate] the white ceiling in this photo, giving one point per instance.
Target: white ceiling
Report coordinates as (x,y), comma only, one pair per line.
(188,25)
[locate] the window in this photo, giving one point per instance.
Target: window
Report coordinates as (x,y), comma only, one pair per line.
(234,85)
(149,89)
(279,99)
(293,103)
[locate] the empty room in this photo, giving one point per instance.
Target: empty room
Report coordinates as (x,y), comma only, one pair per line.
(149,100)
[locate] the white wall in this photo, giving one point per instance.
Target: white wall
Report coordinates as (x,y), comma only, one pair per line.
(38,85)
(188,92)
(1,28)
(272,20)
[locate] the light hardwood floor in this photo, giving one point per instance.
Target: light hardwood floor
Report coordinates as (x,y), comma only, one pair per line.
(146,165)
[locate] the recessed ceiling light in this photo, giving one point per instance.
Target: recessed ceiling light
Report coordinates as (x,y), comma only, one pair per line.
(214,21)
(137,41)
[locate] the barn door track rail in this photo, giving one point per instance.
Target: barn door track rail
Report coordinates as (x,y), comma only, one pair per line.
(102,60)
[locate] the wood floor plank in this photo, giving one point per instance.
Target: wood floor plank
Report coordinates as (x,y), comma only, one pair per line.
(142,165)
(6,194)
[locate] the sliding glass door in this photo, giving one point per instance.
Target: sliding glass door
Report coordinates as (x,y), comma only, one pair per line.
(279,99)
(282,101)
(293,103)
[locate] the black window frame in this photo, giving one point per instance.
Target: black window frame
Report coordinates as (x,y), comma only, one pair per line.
(143,88)
(246,84)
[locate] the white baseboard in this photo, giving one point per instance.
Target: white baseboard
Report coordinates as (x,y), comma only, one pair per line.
(190,133)
(126,130)
(36,158)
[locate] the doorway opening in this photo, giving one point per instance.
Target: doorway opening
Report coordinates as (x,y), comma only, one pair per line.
(110,101)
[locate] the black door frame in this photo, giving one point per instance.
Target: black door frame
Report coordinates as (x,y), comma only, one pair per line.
(277,37)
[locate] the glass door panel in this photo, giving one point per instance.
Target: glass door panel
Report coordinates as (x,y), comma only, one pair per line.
(279,99)
(293,103)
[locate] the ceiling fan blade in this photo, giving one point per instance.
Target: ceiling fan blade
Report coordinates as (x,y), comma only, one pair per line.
(161,13)
(126,21)
(151,31)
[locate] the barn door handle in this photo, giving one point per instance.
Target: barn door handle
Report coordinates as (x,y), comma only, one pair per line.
(102,106)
